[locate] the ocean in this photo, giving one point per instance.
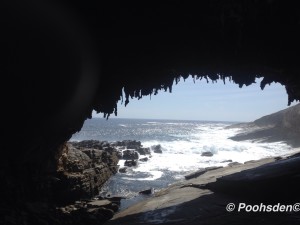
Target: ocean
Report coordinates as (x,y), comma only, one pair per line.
(182,143)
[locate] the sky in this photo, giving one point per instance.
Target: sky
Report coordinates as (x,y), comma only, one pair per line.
(208,101)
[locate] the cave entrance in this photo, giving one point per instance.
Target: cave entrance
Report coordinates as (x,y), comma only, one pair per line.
(168,138)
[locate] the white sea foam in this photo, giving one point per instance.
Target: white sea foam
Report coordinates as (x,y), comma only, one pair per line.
(185,155)
(182,143)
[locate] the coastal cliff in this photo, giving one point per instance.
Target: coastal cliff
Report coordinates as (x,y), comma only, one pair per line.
(279,126)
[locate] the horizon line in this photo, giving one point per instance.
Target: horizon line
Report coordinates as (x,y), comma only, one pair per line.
(99,117)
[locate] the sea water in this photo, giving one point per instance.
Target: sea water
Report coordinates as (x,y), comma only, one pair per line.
(182,143)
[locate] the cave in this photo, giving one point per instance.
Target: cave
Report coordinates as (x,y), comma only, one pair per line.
(63,59)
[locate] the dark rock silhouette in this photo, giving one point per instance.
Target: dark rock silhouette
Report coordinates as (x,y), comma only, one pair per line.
(144,159)
(123,170)
(146,192)
(156,148)
(82,172)
(207,154)
(131,163)
(60,60)
(130,154)
(144,151)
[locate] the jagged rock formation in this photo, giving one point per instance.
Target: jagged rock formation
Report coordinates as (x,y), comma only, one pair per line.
(82,172)
(79,172)
(280,126)
(63,59)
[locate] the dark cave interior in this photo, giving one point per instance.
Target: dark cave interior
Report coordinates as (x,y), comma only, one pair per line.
(63,59)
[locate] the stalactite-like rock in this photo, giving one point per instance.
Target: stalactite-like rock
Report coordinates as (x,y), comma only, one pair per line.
(63,59)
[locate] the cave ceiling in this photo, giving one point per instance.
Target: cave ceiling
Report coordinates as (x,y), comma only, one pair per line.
(64,59)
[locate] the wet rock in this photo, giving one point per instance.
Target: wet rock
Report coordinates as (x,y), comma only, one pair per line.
(234,164)
(250,161)
(109,149)
(200,172)
(123,170)
(227,161)
(292,156)
(129,144)
(144,159)
(156,148)
(130,154)
(213,168)
(130,163)
(207,154)
(144,151)
(195,174)
(119,154)
(146,192)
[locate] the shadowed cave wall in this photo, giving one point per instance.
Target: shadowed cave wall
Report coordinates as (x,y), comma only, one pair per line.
(63,59)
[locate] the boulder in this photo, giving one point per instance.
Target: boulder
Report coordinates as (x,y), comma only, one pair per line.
(123,170)
(156,148)
(130,163)
(129,144)
(143,159)
(130,154)
(144,151)
(207,154)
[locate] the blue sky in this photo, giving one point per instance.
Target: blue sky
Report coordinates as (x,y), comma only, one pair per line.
(207,101)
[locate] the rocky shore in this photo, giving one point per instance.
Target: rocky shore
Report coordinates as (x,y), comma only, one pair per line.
(280,126)
(71,191)
(83,167)
(202,198)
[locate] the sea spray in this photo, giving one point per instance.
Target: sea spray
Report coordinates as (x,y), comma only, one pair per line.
(182,142)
